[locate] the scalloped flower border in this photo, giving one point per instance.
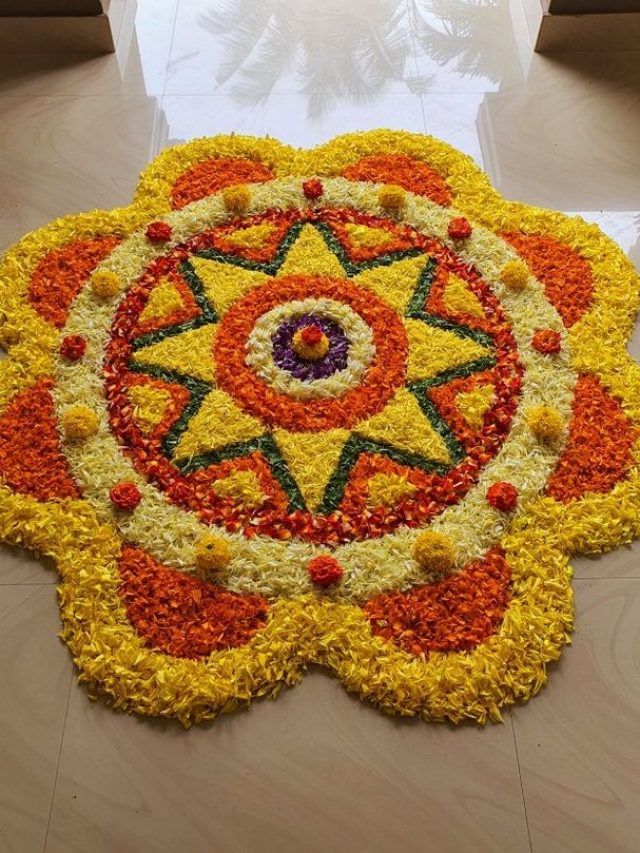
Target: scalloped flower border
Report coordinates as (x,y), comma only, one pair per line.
(511,666)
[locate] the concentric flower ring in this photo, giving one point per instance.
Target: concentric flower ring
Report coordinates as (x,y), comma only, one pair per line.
(277,412)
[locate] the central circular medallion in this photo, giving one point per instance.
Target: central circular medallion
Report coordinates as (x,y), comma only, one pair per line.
(363,364)
(323,374)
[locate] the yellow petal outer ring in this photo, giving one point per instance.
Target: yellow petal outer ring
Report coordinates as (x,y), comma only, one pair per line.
(371,567)
(513,662)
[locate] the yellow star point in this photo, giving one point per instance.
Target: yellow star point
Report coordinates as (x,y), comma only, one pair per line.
(217,423)
(474,404)
(394,283)
(388,490)
(225,283)
(149,406)
(311,458)
(190,353)
(365,237)
(310,255)
(163,301)
(251,237)
(432,350)
(241,486)
(403,424)
(460,299)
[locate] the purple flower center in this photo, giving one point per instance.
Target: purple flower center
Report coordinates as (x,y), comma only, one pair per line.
(287,359)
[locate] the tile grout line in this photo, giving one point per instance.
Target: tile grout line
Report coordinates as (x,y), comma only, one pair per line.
(162,95)
(607,578)
(55,780)
(524,800)
(6,613)
(414,63)
(170,51)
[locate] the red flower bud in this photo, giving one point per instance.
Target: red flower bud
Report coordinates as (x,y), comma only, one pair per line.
(459,228)
(502,496)
(73,347)
(158,232)
(325,570)
(313,188)
(125,496)
(311,335)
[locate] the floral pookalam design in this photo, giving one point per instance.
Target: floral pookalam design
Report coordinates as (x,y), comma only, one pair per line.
(344,406)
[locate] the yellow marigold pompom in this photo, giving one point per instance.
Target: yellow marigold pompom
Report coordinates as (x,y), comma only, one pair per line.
(79,422)
(310,347)
(237,198)
(105,283)
(391,197)
(547,425)
(212,553)
(515,275)
(434,552)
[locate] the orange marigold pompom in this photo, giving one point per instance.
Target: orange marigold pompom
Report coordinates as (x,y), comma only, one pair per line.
(212,553)
(79,422)
(391,197)
(515,275)
(459,228)
(547,341)
(312,189)
(325,570)
(434,552)
(237,198)
(105,284)
(502,496)
(125,496)
(547,425)
(158,232)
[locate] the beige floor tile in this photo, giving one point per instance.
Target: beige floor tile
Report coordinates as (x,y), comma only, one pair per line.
(578,741)
(35,673)
(283,116)
(314,771)
(568,138)
(346,51)
(622,563)
(468,47)
(61,155)
(138,67)
(22,567)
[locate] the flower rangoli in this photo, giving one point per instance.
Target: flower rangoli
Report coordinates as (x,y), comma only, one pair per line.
(344,406)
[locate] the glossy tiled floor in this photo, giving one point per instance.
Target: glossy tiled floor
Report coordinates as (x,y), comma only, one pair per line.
(317,771)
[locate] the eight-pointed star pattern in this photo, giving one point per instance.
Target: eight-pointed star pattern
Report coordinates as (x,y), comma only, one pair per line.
(408,429)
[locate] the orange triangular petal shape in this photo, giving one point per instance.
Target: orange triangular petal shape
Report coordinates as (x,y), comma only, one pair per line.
(454,614)
(31,460)
(181,615)
(599,450)
(62,273)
